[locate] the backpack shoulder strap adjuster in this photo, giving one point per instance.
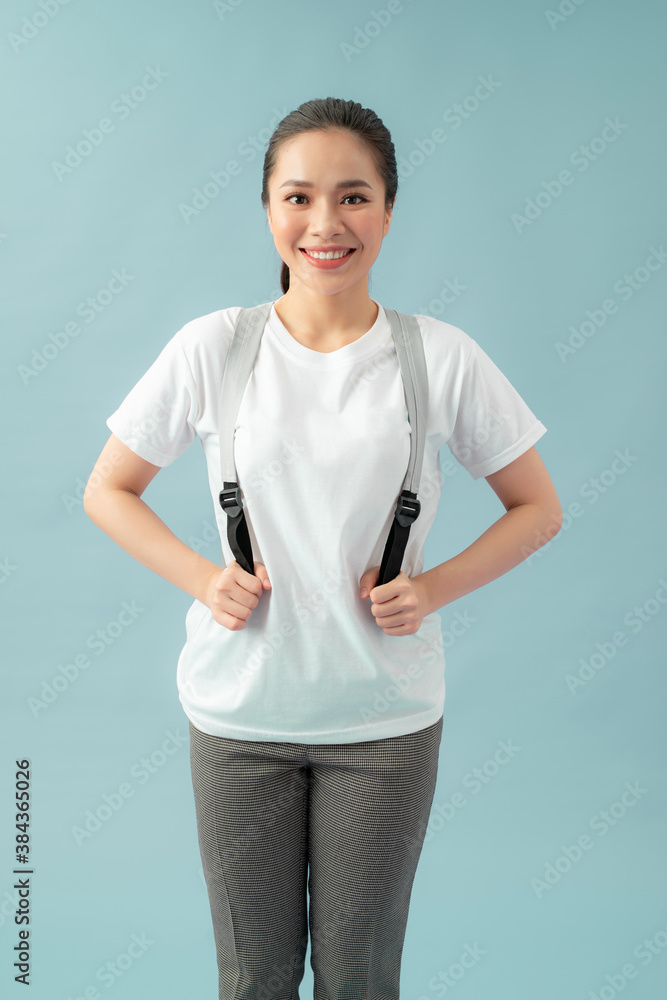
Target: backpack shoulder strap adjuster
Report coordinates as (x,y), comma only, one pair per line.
(230,500)
(407,509)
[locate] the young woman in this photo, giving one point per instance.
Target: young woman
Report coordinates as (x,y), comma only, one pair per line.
(315,697)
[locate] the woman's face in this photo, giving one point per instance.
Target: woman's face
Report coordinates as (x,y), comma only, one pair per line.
(319,213)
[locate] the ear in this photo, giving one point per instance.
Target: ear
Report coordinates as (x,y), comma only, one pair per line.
(387,218)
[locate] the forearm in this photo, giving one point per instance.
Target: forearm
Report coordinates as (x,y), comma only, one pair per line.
(133,525)
(506,543)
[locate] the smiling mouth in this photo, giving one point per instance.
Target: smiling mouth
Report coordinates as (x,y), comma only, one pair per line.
(347,254)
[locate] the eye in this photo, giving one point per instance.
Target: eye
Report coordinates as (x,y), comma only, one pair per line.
(295,194)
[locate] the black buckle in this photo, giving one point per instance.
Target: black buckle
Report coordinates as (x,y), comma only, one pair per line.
(407,509)
(230,500)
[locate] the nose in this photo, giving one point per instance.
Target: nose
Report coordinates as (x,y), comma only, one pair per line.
(325,219)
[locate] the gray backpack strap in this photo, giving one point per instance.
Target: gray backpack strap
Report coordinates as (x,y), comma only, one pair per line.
(238,366)
(410,353)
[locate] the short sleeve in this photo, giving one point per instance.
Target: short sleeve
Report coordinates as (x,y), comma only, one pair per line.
(158,417)
(493,425)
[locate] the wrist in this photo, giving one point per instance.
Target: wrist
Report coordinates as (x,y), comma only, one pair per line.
(205,581)
(424,583)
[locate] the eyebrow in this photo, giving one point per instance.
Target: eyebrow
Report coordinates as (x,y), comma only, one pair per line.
(343,184)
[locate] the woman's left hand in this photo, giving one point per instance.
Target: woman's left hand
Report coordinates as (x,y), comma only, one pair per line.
(400,605)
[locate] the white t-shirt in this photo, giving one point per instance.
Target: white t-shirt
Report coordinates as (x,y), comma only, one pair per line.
(321,450)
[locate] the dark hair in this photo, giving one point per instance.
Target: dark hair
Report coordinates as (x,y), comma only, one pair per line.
(331,113)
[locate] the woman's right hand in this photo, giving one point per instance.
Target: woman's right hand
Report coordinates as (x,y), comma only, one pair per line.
(232,594)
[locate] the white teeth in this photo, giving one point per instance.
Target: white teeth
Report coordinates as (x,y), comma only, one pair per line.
(329,255)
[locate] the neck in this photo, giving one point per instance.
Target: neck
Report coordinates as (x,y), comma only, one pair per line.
(326,322)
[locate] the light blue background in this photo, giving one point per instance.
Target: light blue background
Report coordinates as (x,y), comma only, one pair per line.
(232,71)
